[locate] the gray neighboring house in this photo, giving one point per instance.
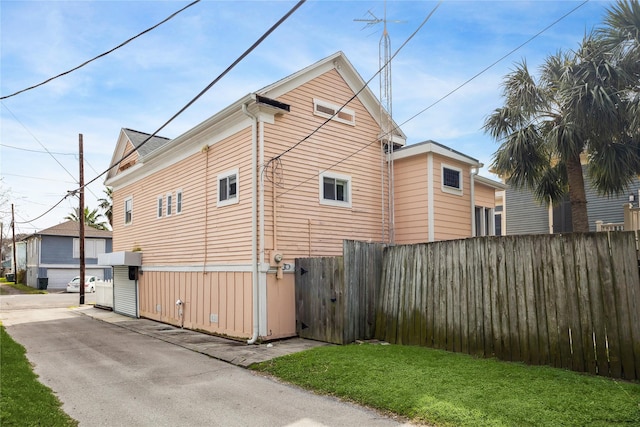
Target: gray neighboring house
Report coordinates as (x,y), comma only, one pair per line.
(526,216)
(54,253)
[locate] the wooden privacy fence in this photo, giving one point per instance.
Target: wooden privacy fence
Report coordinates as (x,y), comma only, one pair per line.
(336,296)
(570,301)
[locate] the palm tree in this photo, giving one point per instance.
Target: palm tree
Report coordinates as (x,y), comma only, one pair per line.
(584,103)
(106,204)
(91,218)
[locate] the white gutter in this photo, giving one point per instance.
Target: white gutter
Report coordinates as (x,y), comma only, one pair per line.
(430,199)
(474,171)
(254,224)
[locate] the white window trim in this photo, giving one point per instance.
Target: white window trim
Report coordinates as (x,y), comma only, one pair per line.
(159,206)
(179,192)
(446,188)
(127,199)
(236,199)
(336,203)
(169,208)
(334,107)
(92,247)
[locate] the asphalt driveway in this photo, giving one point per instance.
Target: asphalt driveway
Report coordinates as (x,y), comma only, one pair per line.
(107,375)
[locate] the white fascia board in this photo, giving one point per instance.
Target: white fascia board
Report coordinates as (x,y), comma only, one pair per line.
(490,182)
(341,64)
(123,177)
(118,152)
(436,149)
(120,258)
(163,158)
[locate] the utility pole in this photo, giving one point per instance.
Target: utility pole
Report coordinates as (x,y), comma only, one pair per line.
(81,221)
(15,262)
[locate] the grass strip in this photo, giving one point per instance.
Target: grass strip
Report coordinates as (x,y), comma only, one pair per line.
(24,401)
(450,389)
(23,288)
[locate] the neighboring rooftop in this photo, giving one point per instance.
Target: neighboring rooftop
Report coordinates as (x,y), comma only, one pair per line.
(72,229)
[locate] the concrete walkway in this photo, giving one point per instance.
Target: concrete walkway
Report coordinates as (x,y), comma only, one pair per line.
(238,353)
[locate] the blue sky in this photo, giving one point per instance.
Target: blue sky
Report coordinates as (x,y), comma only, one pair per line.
(143,84)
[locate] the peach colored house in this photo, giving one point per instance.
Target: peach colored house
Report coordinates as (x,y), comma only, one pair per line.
(207,225)
(440,196)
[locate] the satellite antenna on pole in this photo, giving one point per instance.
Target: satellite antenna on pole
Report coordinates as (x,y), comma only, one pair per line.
(386,120)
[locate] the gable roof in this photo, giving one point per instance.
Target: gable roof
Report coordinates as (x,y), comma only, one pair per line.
(430,146)
(71,229)
(137,138)
(227,119)
(347,71)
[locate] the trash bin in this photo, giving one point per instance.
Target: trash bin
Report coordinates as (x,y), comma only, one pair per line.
(43,282)
(11,277)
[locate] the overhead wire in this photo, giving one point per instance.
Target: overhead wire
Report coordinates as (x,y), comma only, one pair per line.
(437,101)
(102,54)
(205,90)
(193,100)
(363,87)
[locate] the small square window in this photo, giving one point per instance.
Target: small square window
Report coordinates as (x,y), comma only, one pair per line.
(452,180)
(335,190)
(228,188)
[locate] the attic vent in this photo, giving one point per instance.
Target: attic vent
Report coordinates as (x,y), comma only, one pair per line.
(328,110)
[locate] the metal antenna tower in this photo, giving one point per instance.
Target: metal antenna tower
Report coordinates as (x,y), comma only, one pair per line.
(386,120)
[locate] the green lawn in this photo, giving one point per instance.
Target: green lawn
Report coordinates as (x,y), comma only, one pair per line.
(24,401)
(449,389)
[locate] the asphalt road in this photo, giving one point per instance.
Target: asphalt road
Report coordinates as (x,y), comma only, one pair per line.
(109,376)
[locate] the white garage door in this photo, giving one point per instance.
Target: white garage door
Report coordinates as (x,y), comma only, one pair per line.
(125,292)
(59,277)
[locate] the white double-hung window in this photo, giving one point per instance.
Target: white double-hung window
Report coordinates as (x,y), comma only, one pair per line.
(228,188)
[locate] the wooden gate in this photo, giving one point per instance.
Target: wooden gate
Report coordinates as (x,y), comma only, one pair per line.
(319,299)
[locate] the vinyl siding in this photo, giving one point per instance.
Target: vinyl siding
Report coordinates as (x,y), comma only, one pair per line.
(202,232)
(524,214)
(484,195)
(452,213)
(411,203)
(608,208)
(306,227)
(225,296)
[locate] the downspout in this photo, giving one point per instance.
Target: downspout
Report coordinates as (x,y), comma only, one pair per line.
(431,222)
(474,172)
(254,224)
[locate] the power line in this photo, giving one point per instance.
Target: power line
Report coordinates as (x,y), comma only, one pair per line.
(102,54)
(38,151)
(439,100)
(38,141)
(46,150)
(361,89)
(209,86)
(205,90)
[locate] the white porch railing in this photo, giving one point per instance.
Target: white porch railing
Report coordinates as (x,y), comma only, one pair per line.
(104,294)
(631,221)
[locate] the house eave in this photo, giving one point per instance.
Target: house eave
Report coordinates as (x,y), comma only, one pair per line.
(123,258)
